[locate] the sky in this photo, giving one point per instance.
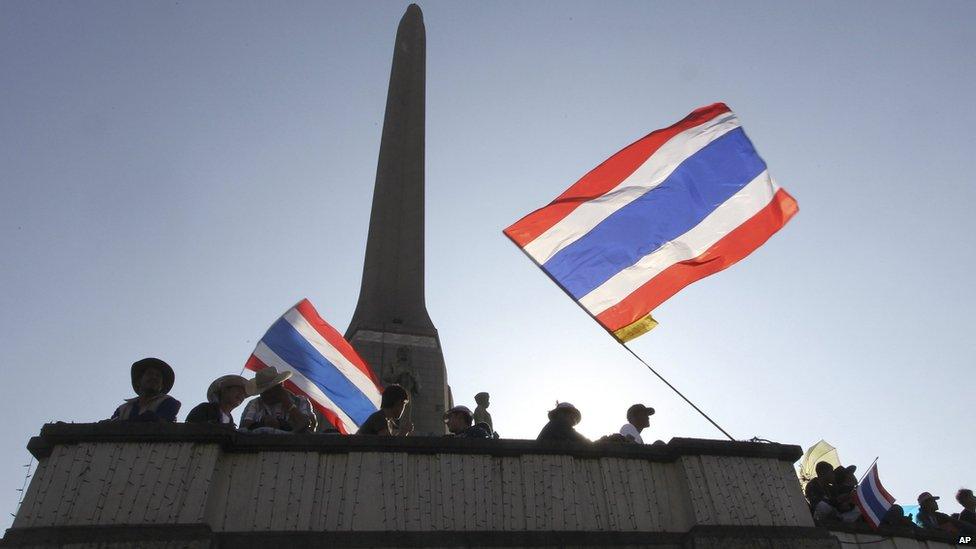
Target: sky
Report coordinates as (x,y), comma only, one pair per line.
(175,175)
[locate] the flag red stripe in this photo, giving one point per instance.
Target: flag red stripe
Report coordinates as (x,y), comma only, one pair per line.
(726,252)
(329,415)
(877,482)
(605,177)
(254,364)
(333,337)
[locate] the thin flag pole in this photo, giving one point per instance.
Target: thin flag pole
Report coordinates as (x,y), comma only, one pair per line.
(624,345)
(673,388)
(865,473)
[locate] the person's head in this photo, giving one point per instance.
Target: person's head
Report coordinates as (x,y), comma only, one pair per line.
(229,391)
(481,399)
(844,476)
(151,377)
(639,416)
(965,498)
(394,400)
(928,502)
(825,472)
(458,419)
(268,383)
(566,413)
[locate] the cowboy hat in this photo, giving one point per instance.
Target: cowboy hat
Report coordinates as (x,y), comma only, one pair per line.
(140,366)
(566,406)
(267,378)
(222,382)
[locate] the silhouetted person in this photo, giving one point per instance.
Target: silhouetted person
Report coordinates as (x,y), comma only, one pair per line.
(895,518)
(638,419)
(481,414)
(386,421)
(223,395)
(562,420)
(965,498)
(152,380)
(821,487)
(460,422)
(930,517)
(276,410)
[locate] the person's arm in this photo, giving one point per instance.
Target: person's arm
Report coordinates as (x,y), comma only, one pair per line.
(300,417)
(248,417)
(404,429)
(168,409)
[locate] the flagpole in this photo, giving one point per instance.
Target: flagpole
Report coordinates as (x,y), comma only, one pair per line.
(673,388)
(624,345)
(865,473)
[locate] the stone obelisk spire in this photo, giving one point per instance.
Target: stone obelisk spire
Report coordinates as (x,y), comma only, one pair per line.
(391,329)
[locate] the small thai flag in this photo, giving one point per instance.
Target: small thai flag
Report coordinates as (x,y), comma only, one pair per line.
(325,368)
(675,206)
(871,497)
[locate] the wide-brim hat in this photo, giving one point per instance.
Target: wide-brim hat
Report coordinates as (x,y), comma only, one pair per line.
(566,406)
(140,366)
(232,380)
(267,378)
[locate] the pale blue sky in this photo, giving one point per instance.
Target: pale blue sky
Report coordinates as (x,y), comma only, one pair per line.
(176,175)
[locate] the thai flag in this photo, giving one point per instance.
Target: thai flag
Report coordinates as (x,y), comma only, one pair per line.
(324,367)
(871,497)
(676,206)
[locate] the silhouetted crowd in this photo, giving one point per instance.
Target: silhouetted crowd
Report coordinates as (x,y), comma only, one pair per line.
(831,495)
(276,410)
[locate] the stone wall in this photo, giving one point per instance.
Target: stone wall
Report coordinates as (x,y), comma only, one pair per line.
(198,485)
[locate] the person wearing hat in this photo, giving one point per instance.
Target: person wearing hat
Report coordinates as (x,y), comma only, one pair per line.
(225,394)
(386,421)
(930,517)
(562,420)
(276,410)
(152,380)
(638,419)
(460,422)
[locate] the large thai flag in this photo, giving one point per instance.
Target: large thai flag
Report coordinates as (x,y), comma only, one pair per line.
(871,497)
(324,367)
(676,206)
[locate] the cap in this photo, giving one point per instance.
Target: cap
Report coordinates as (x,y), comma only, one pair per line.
(925,496)
(639,410)
(458,409)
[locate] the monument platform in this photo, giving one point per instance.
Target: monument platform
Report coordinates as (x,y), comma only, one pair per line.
(165,486)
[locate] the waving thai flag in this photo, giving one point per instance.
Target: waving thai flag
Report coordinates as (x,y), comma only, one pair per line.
(324,366)
(871,497)
(678,205)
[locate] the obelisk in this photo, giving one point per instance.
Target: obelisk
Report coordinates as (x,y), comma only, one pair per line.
(391,329)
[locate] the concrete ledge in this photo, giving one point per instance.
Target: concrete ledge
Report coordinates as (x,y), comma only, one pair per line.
(919,534)
(53,536)
(202,535)
(232,441)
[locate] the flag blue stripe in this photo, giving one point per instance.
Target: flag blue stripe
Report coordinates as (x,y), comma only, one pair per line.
(696,187)
(871,500)
(287,343)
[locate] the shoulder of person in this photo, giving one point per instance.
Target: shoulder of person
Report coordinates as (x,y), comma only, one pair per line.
(202,410)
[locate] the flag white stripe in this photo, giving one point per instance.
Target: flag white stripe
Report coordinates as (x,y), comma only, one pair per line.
(270,358)
(647,176)
(735,211)
(348,369)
